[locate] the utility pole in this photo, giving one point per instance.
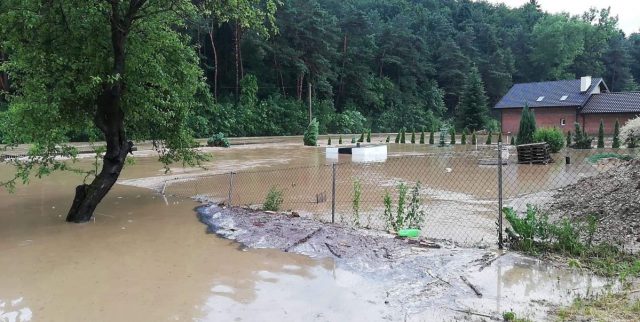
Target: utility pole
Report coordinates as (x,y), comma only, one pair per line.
(310,115)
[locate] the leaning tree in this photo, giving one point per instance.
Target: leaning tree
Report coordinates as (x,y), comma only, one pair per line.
(117,70)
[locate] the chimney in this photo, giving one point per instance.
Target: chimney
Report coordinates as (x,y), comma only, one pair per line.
(585,83)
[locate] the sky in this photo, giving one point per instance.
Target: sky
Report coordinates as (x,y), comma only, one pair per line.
(628,11)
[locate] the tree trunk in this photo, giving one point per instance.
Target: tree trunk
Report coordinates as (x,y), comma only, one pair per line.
(236,48)
(215,63)
(109,118)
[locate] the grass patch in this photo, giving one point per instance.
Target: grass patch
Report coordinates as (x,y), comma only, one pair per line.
(607,307)
(511,317)
(609,155)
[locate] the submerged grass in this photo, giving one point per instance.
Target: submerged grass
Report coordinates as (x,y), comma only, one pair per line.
(609,155)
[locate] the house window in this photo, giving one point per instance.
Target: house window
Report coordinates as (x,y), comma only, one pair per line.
(564,98)
(563,122)
(540,99)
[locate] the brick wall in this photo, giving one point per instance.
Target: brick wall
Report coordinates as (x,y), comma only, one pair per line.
(591,122)
(545,117)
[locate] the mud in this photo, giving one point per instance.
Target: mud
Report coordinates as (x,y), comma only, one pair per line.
(435,281)
(613,197)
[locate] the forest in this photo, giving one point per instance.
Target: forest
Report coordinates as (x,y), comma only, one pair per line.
(380,64)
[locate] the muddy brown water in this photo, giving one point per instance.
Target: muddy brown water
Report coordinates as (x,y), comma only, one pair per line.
(146,258)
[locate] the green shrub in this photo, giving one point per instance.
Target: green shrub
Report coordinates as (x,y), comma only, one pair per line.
(452,133)
(353,140)
(582,140)
(218,140)
(329,141)
(489,135)
(413,137)
(569,139)
(601,135)
(414,215)
(388,213)
(463,139)
(402,137)
(513,140)
(422,137)
(388,139)
(340,140)
(630,133)
(274,199)
(357,194)
(402,199)
(311,134)
(361,139)
(552,136)
(431,138)
(397,138)
(527,126)
(616,136)
(369,136)
(474,139)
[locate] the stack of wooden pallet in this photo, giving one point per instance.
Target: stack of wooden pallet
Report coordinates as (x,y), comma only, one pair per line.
(539,153)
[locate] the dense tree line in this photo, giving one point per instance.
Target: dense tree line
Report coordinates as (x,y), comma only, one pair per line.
(392,64)
(384,64)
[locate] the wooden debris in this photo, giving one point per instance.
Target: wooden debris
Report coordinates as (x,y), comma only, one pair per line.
(303,240)
(473,287)
(330,248)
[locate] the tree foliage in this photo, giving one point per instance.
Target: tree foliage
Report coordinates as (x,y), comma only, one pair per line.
(527,126)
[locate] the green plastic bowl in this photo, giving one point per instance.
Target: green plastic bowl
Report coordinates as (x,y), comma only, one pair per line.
(409,232)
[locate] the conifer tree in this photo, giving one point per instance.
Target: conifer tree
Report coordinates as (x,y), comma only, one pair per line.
(473,110)
(432,139)
(499,137)
(452,132)
(489,138)
(616,136)
(463,139)
(402,136)
(513,140)
(422,137)
(413,137)
(601,135)
(369,136)
(329,141)
(474,139)
(569,139)
(527,126)
(340,140)
(397,140)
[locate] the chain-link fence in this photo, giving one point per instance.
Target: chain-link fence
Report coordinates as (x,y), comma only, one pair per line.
(451,195)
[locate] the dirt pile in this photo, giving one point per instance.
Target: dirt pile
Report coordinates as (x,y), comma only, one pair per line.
(613,197)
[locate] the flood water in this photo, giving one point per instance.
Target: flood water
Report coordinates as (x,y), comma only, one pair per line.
(147,258)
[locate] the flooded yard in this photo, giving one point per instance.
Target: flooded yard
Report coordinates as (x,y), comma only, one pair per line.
(146,257)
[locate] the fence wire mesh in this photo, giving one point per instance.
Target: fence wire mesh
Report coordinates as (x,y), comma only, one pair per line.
(457,195)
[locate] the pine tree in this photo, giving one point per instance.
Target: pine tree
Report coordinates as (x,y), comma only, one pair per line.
(452,132)
(422,137)
(527,126)
(397,140)
(488,138)
(463,139)
(431,138)
(369,136)
(388,138)
(361,139)
(402,136)
(353,139)
(616,136)
(601,135)
(499,137)
(413,137)
(513,140)
(569,139)
(473,110)
(474,139)
(340,140)
(329,141)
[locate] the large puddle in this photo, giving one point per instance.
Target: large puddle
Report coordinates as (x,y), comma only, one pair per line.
(147,258)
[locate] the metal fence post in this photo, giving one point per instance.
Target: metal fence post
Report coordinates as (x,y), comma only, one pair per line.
(500,245)
(230,187)
(333,195)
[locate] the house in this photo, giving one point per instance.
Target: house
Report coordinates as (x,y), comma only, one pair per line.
(562,103)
